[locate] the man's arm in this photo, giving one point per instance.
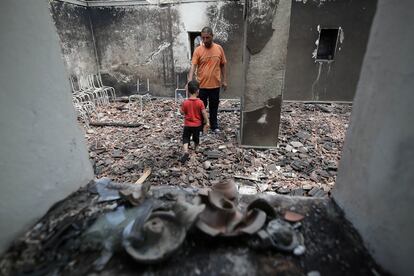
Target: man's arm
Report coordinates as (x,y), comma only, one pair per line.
(205,116)
(224,76)
(192,70)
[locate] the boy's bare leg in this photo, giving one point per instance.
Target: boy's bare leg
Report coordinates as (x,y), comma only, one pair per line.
(184,158)
(185,148)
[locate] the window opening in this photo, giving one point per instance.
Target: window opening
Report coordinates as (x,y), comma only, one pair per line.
(328,39)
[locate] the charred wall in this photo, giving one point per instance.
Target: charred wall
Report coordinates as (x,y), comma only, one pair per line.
(74,29)
(135,42)
(309,80)
(266,37)
(152,42)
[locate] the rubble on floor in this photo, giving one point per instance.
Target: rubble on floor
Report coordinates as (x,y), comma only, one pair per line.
(304,164)
(219,213)
(84,235)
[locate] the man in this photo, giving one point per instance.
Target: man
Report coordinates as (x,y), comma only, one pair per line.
(210,63)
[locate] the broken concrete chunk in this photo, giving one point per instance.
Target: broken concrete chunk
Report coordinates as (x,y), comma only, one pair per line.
(298,192)
(247,190)
(214,174)
(207,165)
(213,154)
(303,135)
(117,154)
(320,193)
(299,165)
(288,148)
(296,144)
(272,168)
(313,191)
(307,187)
(283,190)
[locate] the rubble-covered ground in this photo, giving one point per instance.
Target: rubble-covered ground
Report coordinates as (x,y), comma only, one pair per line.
(83,234)
(304,162)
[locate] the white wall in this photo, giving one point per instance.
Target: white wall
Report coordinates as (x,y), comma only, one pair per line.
(375,185)
(43,157)
(193,20)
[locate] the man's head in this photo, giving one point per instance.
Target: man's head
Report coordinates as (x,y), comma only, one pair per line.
(192,87)
(207,36)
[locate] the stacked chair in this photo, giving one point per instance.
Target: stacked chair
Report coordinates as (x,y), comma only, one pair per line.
(88,92)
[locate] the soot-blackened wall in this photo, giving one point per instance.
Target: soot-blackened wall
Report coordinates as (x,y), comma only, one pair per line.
(308,79)
(74,28)
(135,42)
(152,42)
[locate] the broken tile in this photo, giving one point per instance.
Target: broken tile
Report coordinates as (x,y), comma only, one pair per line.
(293,216)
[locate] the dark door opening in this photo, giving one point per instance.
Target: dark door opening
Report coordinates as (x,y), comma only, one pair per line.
(195,40)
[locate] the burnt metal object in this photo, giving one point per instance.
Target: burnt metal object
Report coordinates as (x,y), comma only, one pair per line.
(263,205)
(279,235)
(221,217)
(160,236)
(228,188)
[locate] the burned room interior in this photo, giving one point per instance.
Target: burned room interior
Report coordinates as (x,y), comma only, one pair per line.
(310,172)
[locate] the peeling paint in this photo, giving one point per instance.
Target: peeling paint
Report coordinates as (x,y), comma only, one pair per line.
(161,48)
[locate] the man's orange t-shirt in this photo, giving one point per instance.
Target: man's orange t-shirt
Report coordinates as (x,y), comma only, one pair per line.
(209,61)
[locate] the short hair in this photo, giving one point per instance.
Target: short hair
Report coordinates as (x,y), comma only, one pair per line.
(192,86)
(207,30)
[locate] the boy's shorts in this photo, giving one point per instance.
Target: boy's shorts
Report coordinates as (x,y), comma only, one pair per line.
(191,131)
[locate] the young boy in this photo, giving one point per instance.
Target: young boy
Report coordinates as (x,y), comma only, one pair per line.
(194,112)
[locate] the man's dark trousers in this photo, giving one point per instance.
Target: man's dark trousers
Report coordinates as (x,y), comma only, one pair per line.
(211,98)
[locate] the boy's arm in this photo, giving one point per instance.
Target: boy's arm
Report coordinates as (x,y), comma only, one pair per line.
(205,116)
